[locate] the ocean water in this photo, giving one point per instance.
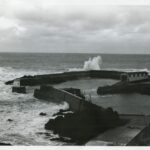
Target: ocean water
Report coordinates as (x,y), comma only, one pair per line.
(27,127)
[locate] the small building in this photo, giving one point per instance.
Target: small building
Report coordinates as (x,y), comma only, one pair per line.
(134,76)
(16,82)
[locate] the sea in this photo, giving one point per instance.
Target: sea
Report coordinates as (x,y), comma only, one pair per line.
(20,122)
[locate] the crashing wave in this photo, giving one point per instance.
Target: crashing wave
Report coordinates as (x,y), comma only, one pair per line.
(91,64)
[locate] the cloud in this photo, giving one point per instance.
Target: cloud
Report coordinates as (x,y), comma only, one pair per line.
(50,26)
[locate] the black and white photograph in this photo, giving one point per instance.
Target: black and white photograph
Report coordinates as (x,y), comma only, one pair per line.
(74,73)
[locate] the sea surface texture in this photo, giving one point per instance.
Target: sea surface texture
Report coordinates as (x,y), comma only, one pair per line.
(20,122)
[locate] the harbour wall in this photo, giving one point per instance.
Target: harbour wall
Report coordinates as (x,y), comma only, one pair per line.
(52,94)
(142,139)
(67,76)
(125,87)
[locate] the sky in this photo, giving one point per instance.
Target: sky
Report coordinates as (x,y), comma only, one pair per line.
(73,26)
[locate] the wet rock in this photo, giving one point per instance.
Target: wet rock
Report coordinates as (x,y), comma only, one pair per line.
(82,126)
(10,120)
(5,144)
(42,114)
(9,82)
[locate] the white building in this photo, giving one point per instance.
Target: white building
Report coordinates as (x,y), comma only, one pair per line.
(134,76)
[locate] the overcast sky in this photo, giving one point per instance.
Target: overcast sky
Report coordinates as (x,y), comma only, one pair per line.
(50,26)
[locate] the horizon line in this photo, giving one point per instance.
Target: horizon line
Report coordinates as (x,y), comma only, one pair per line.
(77,53)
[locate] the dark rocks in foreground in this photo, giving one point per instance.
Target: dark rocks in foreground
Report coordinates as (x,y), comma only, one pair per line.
(83,125)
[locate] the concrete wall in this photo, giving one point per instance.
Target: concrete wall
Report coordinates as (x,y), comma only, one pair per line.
(55,95)
(67,76)
(142,139)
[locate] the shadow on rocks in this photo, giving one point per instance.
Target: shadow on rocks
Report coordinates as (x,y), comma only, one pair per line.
(83,125)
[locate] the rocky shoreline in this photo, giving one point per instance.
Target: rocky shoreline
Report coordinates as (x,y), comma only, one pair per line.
(84,120)
(79,127)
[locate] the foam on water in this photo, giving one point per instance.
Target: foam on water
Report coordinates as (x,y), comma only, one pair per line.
(24,110)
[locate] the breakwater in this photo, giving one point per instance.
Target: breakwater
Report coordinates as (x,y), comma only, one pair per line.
(125,87)
(66,76)
(85,113)
(52,94)
(87,119)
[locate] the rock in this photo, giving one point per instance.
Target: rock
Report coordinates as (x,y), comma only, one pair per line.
(42,114)
(9,82)
(84,125)
(5,144)
(10,120)
(19,89)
